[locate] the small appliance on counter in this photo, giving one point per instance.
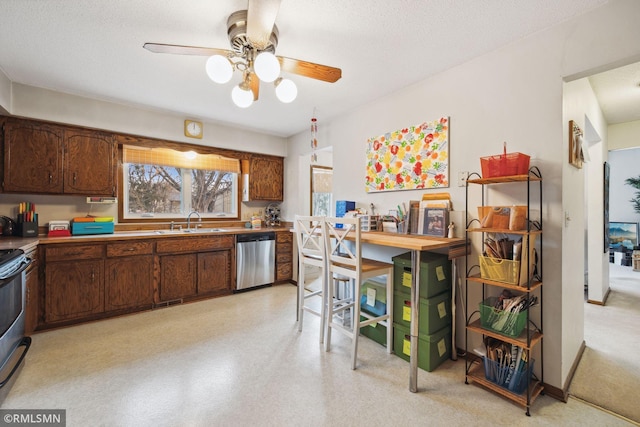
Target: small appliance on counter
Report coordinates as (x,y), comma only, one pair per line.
(59,228)
(8,226)
(272,215)
(26,224)
(92,225)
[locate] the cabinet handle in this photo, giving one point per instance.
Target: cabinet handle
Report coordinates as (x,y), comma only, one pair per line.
(131,249)
(93,275)
(75,178)
(50,177)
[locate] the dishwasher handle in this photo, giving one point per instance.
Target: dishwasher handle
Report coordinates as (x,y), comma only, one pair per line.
(255,237)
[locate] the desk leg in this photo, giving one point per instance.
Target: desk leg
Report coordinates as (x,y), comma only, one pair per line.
(415,299)
(454,280)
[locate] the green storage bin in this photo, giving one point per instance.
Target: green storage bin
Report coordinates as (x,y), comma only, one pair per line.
(435,313)
(435,274)
(375,292)
(432,349)
(376,332)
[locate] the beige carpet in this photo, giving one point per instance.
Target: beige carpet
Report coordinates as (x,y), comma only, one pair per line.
(609,371)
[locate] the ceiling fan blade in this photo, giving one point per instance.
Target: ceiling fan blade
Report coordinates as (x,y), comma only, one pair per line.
(309,69)
(184,50)
(261,16)
(254,83)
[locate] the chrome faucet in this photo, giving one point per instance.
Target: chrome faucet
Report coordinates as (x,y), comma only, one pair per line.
(189,218)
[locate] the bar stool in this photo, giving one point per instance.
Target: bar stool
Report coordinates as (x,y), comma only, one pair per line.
(311,251)
(344,257)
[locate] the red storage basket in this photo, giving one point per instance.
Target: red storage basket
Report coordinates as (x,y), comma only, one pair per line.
(504,165)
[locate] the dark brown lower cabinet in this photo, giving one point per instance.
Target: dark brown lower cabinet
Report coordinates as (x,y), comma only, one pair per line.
(214,272)
(77,282)
(128,282)
(73,289)
(177,276)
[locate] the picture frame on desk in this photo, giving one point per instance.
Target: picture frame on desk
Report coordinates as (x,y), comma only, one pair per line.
(435,222)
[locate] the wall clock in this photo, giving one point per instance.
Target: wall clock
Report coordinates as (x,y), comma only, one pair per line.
(193,129)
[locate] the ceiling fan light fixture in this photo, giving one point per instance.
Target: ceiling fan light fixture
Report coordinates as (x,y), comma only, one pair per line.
(267,67)
(219,69)
(242,96)
(286,90)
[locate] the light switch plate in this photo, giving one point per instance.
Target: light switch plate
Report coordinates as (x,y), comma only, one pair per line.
(462,178)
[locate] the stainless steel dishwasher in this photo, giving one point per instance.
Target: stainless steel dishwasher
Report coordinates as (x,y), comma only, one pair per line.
(255,259)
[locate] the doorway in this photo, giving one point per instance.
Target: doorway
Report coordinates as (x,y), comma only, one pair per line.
(321,190)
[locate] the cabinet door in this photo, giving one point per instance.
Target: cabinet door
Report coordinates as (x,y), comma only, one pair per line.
(73,289)
(90,163)
(128,282)
(266,178)
(214,272)
(177,276)
(32,157)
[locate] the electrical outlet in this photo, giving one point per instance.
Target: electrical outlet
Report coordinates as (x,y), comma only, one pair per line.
(462,178)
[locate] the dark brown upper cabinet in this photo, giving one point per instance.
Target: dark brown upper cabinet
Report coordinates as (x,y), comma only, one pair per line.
(51,159)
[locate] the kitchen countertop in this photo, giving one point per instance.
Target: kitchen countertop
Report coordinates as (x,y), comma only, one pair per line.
(25,243)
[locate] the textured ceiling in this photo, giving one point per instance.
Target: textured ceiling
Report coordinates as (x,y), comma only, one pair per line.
(94,48)
(618,93)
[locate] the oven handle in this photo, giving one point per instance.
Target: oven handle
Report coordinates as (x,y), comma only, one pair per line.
(26,342)
(22,268)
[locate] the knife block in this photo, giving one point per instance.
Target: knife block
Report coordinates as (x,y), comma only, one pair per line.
(27,229)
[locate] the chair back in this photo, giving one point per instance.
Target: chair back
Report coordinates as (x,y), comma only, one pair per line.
(308,230)
(343,246)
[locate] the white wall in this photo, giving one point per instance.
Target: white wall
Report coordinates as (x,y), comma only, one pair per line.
(513,94)
(5,93)
(624,164)
(624,135)
(583,204)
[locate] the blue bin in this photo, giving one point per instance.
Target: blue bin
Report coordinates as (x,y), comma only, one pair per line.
(514,381)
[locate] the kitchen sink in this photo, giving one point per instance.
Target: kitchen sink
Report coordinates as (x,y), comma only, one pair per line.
(191,231)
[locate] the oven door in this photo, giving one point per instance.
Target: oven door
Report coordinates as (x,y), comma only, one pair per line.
(12,304)
(12,318)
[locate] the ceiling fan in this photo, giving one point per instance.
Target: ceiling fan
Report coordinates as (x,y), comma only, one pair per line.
(253,37)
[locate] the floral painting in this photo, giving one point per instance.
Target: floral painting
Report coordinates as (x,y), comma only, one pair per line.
(412,158)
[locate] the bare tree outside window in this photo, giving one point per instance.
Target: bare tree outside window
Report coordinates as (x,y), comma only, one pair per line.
(165,191)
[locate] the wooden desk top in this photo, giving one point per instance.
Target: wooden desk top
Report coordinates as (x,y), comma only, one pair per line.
(454,247)
(410,241)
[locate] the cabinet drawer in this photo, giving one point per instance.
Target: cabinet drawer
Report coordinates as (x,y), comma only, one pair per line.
(185,245)
(284,247)
(284,237)
(66,253)
(284,257)
(284,271)
(129,248)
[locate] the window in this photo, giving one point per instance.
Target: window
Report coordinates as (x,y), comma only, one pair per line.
(163,183)
(321,187)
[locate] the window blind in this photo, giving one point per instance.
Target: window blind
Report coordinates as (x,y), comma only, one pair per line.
(179,159)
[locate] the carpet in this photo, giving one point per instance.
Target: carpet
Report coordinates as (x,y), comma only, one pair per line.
(608,373)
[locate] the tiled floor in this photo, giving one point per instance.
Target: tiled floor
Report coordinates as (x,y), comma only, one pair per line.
(240,361)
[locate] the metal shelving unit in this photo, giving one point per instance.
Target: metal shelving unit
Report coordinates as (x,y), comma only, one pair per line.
(531,336)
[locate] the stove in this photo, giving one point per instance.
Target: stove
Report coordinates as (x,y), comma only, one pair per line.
(13,343)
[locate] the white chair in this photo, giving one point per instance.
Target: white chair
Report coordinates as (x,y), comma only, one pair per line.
(311,252)
(344,257)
